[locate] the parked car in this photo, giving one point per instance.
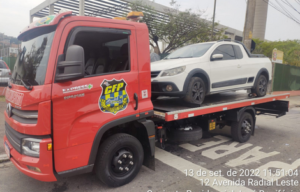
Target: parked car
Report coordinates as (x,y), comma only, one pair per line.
(197,70)
(5,73)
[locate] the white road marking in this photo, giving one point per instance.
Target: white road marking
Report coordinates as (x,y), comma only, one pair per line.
(254,154)
(226,150)
(181,164)
(284,167)
(208,144)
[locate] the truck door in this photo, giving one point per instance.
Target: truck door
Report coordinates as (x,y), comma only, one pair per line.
(225,72)
(106,93)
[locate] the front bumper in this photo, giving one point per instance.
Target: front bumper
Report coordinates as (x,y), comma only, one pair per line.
(158,85)
(159,89)
(44,162)
(4,81)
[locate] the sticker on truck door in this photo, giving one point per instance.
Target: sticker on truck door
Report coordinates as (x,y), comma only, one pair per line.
(114,97)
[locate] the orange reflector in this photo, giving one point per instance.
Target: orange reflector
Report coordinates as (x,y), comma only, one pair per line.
(159,127)
(146,113)
(49,147)
(151,136)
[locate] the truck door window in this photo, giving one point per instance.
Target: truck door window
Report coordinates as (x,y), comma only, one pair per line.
(106,51)
(226,51)
(238,52)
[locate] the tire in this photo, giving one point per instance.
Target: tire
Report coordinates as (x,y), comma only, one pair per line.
(242,130)
(261,86)
(196,91)
(185,136)
(111,151)
(154,97)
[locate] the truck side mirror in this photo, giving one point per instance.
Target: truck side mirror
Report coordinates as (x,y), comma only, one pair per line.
(217,57)
(73,66)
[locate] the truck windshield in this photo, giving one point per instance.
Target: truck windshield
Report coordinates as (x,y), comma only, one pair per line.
(32,61)
(190,51)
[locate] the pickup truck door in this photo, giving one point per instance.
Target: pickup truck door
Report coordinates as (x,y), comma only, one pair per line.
(107,92)
(226,73)
(248,66)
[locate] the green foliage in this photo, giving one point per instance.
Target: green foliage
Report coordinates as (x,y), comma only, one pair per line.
(175,28)
(290,48)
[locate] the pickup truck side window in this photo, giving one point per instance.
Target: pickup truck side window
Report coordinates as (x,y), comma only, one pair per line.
(226,51)
(238,52)
(105,50)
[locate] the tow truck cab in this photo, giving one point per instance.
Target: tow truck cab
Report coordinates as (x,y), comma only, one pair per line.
(77,81)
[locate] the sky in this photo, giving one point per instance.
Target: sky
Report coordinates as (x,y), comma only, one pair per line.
(14,16)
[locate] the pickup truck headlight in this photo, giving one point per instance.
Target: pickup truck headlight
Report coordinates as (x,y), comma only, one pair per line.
(174,71)
(31,147)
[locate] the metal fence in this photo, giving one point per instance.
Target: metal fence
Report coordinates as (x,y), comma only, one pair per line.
(10,61)
(286,78)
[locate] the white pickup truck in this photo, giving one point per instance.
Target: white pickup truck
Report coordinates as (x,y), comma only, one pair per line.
(197,70)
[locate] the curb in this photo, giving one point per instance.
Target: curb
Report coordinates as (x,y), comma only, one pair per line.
(3,158)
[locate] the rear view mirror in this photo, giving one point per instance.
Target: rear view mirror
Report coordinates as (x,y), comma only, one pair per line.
(217,57)
(73,66)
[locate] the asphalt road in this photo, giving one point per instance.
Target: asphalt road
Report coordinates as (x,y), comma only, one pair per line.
(274,146)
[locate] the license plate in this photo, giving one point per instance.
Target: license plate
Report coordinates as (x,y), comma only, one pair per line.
(212,124)
(7,150)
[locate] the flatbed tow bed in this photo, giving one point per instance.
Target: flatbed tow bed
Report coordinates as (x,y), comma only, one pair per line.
(179,122)
(171,109)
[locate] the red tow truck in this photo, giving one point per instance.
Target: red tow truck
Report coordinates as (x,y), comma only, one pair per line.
(79,100)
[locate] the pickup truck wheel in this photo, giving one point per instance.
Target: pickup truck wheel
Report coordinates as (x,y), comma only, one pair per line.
(196,91)
(119,160)
(261,86)
(242,130)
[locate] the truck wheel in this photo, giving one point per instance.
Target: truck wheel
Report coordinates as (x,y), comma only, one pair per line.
(185,136)
(196,91)
(119,160)
(242,130)
(261,86)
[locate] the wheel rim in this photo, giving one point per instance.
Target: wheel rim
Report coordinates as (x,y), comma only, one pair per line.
(123,162)
(246,128)
(262,85)
(197,91)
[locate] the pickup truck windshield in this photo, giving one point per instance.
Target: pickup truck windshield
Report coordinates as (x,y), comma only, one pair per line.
(196,50)
(32,61)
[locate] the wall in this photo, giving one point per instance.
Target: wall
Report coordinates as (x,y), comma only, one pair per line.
(286,78)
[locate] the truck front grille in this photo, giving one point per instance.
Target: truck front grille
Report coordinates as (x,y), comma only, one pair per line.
(25,117)
(154,74)
(13,137)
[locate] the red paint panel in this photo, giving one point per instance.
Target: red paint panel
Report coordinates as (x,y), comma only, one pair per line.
(72,157)
(43,126)
(44,162)
(197,112)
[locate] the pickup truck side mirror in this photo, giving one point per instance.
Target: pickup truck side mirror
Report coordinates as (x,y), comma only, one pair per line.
(217,57)
(73,66)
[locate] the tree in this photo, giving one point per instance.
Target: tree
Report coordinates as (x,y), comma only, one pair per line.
(175,28)
(290,48)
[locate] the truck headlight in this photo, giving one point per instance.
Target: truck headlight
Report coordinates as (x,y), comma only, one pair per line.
(31,147)
(174,71)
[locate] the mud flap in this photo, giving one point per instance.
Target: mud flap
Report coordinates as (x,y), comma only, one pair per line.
(149,147)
